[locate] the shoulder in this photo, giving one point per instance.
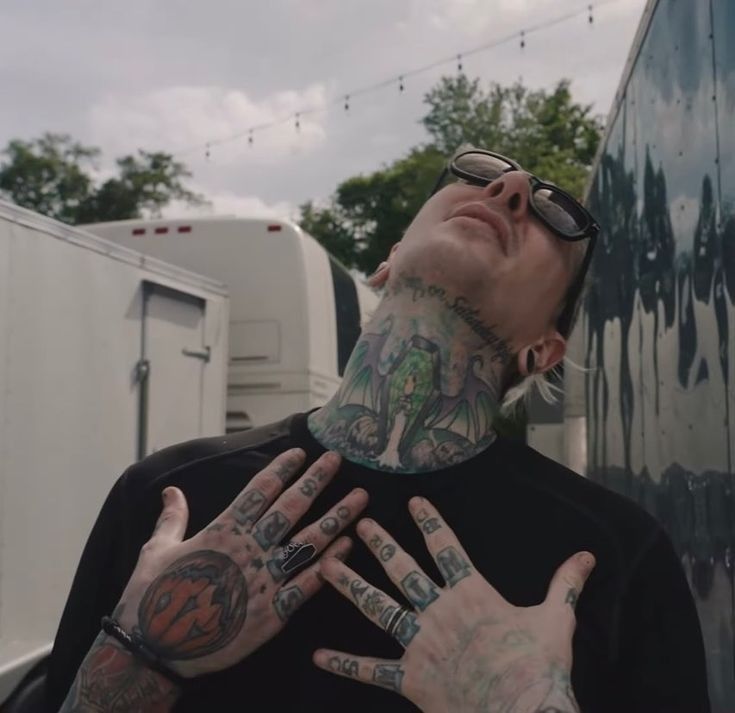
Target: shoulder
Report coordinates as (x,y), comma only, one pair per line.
(618,516)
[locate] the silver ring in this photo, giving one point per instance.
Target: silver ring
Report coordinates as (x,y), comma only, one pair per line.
(395,620)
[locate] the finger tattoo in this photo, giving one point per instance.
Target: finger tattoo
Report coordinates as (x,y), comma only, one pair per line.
(271,529)
(388,676)
(571,598)
(452,565)
(376,541)
(287,601)
(249,507)
(373,603)
(329,526)
(357,589)
(343,512)
(348,667)
(308,487)
(407,628)
(419,589)
(387,552)
(431,525)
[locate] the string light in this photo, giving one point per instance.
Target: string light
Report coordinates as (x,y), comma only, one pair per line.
(206,152)
(400,79)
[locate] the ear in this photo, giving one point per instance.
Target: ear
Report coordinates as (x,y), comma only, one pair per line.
(380,276)
(546,354)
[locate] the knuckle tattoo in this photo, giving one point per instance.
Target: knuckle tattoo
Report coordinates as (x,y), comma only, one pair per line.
(271,529)
(388,676)
(431,525)
(249,507)
(452,565)
(419,590)
(287,600)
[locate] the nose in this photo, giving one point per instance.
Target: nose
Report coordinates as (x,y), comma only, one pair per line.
(512,192)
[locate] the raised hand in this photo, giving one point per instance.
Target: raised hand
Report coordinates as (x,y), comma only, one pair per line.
(206,603)
(467,648)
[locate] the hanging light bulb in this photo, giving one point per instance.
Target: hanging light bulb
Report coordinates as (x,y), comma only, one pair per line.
(250,138)
(298,122)
(459,63)
(401,87)
(347,102)
(206,151)
(523,39)
(590,18)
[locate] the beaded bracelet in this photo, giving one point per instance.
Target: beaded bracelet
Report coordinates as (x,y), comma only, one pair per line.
(138,648)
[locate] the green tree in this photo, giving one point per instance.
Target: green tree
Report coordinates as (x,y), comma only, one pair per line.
(54,176)
(545,131)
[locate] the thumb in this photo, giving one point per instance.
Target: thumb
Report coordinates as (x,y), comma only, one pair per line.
(569,580)
(172,521)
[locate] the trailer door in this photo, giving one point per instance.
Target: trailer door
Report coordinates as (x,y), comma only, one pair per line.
(170,373)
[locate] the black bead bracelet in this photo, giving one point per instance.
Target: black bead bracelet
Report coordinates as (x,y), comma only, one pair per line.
(138,648)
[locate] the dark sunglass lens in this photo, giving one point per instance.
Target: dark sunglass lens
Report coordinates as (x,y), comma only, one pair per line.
(561,211)
(481,165)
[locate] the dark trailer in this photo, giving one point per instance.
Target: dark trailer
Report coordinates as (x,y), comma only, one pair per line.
(659,328)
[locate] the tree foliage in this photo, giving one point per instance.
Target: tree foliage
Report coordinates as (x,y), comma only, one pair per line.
(54,175)
(545,131)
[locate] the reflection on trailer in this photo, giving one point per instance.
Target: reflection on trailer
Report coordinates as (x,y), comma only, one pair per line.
(295,312)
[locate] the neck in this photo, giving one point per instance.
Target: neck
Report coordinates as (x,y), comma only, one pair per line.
(421,388)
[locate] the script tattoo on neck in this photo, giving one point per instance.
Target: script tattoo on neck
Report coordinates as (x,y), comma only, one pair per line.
(410,401)
(461,307)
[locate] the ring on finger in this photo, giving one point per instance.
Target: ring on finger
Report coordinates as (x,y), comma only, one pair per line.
(395,621)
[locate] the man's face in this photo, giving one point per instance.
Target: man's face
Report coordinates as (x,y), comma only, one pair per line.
(486,245)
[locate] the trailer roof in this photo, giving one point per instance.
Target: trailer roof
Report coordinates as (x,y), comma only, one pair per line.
(80,237)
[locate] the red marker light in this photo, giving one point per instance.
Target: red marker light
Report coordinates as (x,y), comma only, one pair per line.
(161,230)
(138,231)
(184,229)
(274,228)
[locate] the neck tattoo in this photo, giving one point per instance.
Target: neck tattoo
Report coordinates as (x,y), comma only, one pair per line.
(412,400)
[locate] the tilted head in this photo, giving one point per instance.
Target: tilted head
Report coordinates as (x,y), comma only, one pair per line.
(515,248)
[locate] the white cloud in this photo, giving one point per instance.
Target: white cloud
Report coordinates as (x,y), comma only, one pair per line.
(184,118)
(231,203)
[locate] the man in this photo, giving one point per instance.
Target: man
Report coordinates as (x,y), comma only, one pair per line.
(464,531)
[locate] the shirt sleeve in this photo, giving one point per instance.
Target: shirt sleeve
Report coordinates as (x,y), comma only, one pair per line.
(98,583)
(662,660)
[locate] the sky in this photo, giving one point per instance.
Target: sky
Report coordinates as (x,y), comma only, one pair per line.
(172,76)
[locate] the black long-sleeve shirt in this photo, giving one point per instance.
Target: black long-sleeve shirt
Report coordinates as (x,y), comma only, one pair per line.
(637,648)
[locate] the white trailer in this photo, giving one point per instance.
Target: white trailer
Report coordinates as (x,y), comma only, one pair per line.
(295,312)
(105,356)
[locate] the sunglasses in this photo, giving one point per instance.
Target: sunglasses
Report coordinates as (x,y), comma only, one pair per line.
(562,214)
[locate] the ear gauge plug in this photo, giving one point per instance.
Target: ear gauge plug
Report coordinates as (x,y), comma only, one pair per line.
(530,362)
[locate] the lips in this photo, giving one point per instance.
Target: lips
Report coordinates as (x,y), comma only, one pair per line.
(480,212)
